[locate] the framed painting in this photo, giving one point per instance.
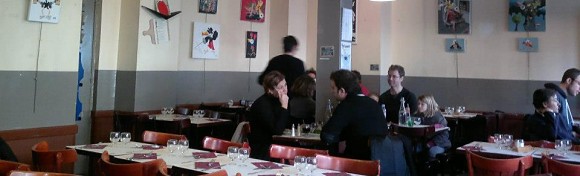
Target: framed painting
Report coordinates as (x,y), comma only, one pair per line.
(455,45)
(205,40)
(44,11)
(208,6)
(251,44)
(253,10)
(454,16)
(354,10)
(527,15)
(326,51)
(528,44)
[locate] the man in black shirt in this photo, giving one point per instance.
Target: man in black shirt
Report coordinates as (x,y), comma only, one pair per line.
(290,66)
(392,97)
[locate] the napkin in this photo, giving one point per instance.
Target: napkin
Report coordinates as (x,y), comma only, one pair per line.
(151,147)
(336,174)
(267,165)
(145,156)
(553,156)
(204,155)
(94,146)
(473,148)
(207,165)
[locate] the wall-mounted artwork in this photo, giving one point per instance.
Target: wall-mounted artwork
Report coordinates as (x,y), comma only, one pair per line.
(454,16)
(205,40)
(251,44)
(527,15)
(326,51)
(455,45)
(253,10)
(354,10)
(44,11)
(208,6)
(345,55)
(528,44)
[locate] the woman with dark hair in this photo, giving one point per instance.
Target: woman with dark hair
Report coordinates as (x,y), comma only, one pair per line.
(302,106)
(268,115)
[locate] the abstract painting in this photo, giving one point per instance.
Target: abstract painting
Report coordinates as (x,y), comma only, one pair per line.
(205,40)
(253,10)
(455,45)
(454,16)
(251,44)
(208,6)
(527,15)
(528,44)
(44,11)
(326,51)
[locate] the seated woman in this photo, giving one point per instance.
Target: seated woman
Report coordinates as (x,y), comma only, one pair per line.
(268,115)
(545,123)
(302,106)
(428,110)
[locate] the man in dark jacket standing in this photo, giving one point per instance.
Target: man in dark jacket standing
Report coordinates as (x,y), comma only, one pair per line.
(290,66)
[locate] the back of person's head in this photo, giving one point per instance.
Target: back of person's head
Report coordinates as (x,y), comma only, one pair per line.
(304,86)
(432,106)
(346,80)
(289,43)
(357,74)
(398,68)
(541,96)
(271,80)
(571,73)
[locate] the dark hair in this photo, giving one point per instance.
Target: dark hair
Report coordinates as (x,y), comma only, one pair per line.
(398,68)
(347,80)
(571,73)
(304,86)
(271,80)
(357,74)
(541,96)
(289,43)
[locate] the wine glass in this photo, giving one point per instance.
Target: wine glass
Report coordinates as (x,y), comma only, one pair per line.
(244,154)
(497,139)
(233,152)
(125,137)
(170,111)
(201,113)
(230,103)
(299,163)
(507,140)
(172,145)
(183,145)
(164,110)
(567,144)
(311,164)
(114,137)
(417,120)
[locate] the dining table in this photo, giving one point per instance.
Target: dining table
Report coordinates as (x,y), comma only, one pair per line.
(493,149)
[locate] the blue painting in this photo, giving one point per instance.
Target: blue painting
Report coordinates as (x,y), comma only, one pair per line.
(527,15)
(455,45)
(528,44)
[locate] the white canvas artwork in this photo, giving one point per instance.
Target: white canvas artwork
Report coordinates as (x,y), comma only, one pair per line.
(44,11)
(345,55)
(205,40)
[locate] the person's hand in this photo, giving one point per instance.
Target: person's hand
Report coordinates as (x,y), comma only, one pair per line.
(283,99)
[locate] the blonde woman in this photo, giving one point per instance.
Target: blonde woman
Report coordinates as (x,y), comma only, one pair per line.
(428,110)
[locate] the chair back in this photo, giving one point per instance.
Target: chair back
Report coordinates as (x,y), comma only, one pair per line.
(150,168)
(133,123)
(47,160)
(176,126)
(559,168)
(7,166)
(220,145)
(414,132)
(217,173)
(241,133)
(160,138)
(362,167)
(481,166)
(33,173)
(286,154)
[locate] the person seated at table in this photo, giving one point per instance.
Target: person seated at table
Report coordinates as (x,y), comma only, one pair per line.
(428,111)
(302,106)
(356,119)
(268,115)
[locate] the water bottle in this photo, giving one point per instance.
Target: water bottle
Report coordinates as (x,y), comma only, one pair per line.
(402,113)
(408,118)
(328,112)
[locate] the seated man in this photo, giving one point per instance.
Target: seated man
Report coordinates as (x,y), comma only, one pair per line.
(546,123)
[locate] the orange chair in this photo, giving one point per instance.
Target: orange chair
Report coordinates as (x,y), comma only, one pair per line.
(289,153)
(363,167)
(159,137)
(47,160)
(7,166)
(489,166)
(150,168)
(559,168)
(32,173)
(220,145)
(217,173)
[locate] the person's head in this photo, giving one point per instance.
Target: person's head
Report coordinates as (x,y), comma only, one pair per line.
(571,82)
(290,44)
(396,75)
(546,100)
(343,83)
(427,105)
(312,73)
(304,86)
(274,82)
(374,96)
(358,76)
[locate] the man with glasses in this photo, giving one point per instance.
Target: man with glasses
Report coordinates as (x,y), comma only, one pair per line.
(392,97)
(569,86)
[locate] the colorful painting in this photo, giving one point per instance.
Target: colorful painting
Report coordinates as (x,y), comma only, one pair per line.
(528,44)
(326,51)
(44,11)
(527,15)
(208,6)
(455,45)
(454,16)
(205,40)
(253,10)
(251,44)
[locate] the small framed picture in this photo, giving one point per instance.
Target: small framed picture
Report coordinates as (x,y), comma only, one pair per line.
(528,44)
(44,11)
(208,6)
(326,51)
(455,45)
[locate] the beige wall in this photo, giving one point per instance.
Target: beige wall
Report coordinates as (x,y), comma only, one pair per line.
(109,39)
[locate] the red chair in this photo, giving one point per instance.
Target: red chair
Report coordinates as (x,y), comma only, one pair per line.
(289,153)
(220,145)
(32,173)
(47,160)
(559,168)
(160,138)
(481,166)
(354,166)
(150,168)
(7,166)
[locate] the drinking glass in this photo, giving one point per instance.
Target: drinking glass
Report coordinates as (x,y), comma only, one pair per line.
(170,111)
(519,143)
(461,109)
(233,152)
(125,137)
(449,110)
(497,139)
(164,110)
(310,164)
(507,140)
(244,154)
(299,163)
(306,129)
(172,145)
(114,137)
(183,146)
(202,113)
(417,120)
(230,103)
(567,145)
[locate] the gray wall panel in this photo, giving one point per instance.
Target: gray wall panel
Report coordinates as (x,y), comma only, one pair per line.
(105,91)
(125,91)
(155,90)
(197,87)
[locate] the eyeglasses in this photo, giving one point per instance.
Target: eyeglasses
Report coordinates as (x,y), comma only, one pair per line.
(393,76)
